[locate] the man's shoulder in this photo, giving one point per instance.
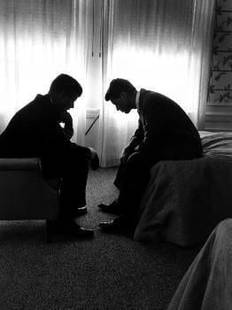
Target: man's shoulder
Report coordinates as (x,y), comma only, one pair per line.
(34,110)
(154,100)
(150,99)
(149,95)
(37,100)
(40,99)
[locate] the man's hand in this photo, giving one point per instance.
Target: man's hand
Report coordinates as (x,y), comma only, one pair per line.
(66,118)
(94,160)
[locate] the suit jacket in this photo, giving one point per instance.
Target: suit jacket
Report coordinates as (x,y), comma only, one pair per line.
(165,131)
(35,131)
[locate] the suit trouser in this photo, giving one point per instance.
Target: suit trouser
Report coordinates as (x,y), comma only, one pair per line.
(133,176)
(131,180)
(72,167)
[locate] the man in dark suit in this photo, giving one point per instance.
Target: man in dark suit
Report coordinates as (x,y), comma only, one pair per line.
(43,129)
(165,132)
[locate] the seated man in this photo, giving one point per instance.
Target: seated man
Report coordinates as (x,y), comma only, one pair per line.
(36,131)
(165,132)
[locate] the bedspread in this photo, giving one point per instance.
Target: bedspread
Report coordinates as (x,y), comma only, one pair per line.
(185,200)
(207,283)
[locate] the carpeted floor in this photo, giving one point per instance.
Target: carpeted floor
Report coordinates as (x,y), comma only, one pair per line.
(108,272)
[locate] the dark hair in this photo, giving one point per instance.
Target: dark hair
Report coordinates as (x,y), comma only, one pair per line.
(117,86)
(65,83)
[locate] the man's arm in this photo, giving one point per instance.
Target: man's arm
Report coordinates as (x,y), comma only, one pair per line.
(66,119)
(157,121)
(135,140)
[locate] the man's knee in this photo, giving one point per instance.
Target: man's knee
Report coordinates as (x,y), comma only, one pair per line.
(78,165)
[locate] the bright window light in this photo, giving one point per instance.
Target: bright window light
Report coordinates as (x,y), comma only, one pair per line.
(168,73)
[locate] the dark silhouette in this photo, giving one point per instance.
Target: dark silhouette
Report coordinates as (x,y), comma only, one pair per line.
(37,131)
(165,132)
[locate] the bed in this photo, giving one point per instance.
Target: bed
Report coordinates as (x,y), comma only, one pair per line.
(185,200)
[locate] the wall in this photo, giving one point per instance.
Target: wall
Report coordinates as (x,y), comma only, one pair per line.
(218,113)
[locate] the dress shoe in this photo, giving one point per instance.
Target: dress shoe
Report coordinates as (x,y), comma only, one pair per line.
(120,224)
(111,208)
(80,211)
(82,232)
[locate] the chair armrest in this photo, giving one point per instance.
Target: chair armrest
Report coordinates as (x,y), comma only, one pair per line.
(20,164)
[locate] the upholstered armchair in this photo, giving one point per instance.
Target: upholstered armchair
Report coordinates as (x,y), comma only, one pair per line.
(24,193)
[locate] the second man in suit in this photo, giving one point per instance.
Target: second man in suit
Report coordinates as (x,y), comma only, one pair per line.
(165,132)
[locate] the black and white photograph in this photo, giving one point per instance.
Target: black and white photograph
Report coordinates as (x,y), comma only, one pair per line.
(115,154)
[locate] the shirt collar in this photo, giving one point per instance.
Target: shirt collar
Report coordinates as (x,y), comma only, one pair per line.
(137,99)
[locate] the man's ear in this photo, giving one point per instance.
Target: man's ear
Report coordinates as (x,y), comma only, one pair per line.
(62,95)
(123,95)
(57,96)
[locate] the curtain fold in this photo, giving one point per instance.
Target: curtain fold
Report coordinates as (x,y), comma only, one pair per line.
(158,45)
(162,45)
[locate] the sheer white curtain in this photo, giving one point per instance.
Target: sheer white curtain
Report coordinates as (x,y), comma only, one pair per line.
(158,45)
(40,39)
